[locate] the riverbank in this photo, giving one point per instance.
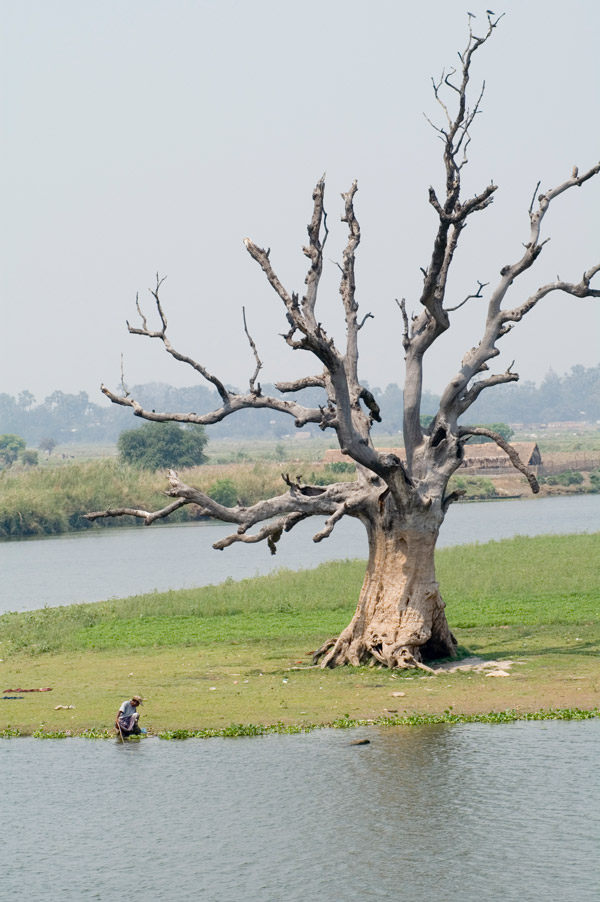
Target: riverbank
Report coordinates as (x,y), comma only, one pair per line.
(240,652)
(53,500)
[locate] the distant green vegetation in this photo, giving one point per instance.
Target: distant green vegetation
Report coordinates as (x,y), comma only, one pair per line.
(502,429)
(524,581)
(52,500)
(11,447)
(567,477)
(163,445)
(476,488)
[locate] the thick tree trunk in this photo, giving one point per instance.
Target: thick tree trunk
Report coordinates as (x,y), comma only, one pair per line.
(400,619)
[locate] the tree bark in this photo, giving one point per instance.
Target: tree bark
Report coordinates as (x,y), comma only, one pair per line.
(400,618)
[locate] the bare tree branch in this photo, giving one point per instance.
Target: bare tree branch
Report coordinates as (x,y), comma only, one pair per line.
(457,393)
(330,523)
(124,388)
(508,449)
(301,414)
(162,335)
(469,297)
(473,393)
(148,517)
(453,216)
(254,377)
(406,331)
(581,290)
(300,384)
(271,532)
(340,376)
(315,252)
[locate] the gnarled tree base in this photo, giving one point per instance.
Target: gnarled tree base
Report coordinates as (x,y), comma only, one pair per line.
(349,648)
(400,619)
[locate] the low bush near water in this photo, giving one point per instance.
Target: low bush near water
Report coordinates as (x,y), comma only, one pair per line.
(476,488)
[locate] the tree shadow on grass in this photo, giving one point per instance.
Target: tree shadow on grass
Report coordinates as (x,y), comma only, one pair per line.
(531,645)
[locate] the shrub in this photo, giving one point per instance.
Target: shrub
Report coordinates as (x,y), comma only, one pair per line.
(341,466)
(10,447)
(224,492)
(503,429)
(331,473)
(157,445)
(569,477)
(29,458)
(474,487)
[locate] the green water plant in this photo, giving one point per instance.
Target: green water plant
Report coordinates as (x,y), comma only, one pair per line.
(9,732)
(409,720)
(92,733)
(41,733)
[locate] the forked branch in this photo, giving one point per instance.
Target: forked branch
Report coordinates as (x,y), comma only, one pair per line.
(460,392)
(162,335)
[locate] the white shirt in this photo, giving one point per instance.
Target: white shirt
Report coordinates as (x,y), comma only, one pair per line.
(127,709)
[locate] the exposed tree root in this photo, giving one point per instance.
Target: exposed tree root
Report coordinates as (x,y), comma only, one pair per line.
(356,651)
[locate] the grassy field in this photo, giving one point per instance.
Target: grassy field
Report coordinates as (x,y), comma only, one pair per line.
(239,653)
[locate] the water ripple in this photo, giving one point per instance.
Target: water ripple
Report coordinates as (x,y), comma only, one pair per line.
(466,812)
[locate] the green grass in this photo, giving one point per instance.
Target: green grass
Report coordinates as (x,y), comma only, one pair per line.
(234,659)
(524,580)
(521,581)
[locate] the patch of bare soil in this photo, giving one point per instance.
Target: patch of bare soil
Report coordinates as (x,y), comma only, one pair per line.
(511,486)
(516,486)
(477,665)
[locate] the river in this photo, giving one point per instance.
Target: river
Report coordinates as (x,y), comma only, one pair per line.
(114,563)
(470,812)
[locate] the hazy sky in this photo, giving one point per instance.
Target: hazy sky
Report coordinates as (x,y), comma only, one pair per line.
(153,135)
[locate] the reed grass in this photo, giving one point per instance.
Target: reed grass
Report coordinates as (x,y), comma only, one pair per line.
(44,501)
(53,500)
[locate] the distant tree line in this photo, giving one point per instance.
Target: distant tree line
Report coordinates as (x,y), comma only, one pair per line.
(74,418)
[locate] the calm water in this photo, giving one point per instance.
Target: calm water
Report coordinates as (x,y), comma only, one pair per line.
(476,813)
(102,564)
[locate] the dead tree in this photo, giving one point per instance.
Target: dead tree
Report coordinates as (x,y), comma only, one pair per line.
(400,619)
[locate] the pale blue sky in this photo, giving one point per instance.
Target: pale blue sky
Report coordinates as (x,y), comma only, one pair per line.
(145,135)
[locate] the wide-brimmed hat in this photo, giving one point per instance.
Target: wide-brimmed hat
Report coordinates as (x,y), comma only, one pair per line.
(138,699)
